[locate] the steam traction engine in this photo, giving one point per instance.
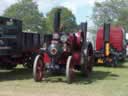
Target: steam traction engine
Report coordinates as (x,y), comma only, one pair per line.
(110,47)
(66,53)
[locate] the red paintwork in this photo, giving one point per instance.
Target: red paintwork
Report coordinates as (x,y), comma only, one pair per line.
(75,42)
(116,38)
(62,59)
(46,58)
(78,41)
(75,53)
(76,57)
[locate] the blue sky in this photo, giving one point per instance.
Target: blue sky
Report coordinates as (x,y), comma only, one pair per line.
(84,13)
(82,9)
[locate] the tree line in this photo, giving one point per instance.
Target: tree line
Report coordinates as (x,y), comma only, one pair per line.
(113,11)
(35,21)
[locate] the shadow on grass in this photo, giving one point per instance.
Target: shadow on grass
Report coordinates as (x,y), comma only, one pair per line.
(25,74)
(95,76)
(126,59)
(80,79)
(121,64)
(15,74)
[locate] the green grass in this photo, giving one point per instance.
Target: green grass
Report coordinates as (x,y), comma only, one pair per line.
(104,81)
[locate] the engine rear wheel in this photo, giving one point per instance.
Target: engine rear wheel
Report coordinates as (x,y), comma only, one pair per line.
(70,70)
(38,68)
(87,61)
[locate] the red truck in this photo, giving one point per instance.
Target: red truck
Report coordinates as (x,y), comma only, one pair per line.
(110,45)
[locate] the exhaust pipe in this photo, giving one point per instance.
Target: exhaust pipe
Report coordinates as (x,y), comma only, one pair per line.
(106,32)
(106,39)
(84,30)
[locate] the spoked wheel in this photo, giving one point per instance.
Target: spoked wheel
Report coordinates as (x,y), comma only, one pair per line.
(90,59)
(114,62)
(70,70)
(87,61)
(28,62)
(38,68)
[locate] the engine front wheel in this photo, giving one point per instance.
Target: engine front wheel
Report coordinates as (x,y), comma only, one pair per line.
(38,68)
(70,70)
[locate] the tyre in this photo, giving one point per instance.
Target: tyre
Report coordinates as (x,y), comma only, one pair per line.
(87,61)
(69,70)
(38,68)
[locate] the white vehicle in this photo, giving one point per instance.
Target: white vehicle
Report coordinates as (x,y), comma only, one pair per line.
(126,44)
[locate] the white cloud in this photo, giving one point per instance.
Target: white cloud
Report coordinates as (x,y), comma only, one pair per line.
(74,5)
(69,5)
(47,5)
(5,4)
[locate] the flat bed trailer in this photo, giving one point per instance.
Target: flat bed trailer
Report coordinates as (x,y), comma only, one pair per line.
(16,46)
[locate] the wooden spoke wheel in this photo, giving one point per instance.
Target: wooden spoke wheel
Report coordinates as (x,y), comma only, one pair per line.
(38,68)
(70,70)
(87,61)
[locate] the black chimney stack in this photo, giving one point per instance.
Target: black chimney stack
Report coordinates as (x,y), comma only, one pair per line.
(106,39)
(57,20)
(84,30)
(106,32)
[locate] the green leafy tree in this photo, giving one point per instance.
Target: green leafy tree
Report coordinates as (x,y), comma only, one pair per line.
(67,20)
(27,11)
(114,11)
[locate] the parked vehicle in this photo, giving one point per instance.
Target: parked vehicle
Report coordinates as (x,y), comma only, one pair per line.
(16,47)
(126,41)
(66,53)
(110,45)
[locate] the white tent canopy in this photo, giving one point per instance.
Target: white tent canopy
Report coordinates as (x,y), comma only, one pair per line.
(126,36)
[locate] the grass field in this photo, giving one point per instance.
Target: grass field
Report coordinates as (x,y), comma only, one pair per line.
(104,81)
